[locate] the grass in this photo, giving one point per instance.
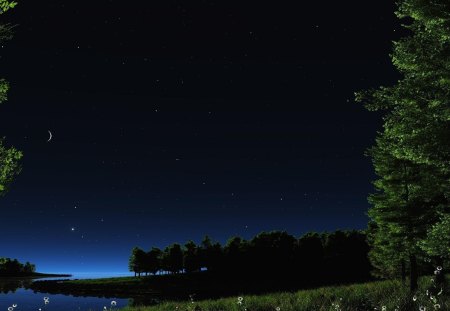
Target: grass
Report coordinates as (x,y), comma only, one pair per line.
(150,289)
(382,295)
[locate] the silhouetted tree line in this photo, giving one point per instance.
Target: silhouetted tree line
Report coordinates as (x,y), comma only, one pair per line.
(314,258)
(12,267)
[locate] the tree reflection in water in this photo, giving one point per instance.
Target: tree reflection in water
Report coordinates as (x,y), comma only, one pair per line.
(11,285)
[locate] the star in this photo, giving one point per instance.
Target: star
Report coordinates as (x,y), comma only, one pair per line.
(72,229)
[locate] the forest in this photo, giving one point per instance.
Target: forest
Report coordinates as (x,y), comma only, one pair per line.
(12,267)
(313,258)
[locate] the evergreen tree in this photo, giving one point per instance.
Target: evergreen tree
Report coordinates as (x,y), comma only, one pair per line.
(412,154)
(9,166)
(9,157)
(437,245)
(398,208)
(6,34)
(386,253)
(6,5)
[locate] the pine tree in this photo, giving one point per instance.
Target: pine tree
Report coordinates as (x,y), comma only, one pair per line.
(401,209)
(412,154)
(386,254)
(9,157)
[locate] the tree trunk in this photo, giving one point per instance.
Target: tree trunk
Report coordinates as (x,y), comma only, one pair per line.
(403,271)
(413,274)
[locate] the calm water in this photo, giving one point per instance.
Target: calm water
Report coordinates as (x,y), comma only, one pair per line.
(13,292)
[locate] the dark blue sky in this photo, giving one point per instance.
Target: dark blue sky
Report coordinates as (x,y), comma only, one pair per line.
(173,120)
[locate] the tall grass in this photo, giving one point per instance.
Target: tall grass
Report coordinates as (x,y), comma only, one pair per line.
(382,296)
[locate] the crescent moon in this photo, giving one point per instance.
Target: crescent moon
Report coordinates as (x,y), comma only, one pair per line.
(51,136)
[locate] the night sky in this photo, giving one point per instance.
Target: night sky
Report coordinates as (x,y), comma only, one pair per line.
(176,119)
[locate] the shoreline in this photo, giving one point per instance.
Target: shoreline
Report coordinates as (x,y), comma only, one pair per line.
(34,276)
(174,287)
(357,295)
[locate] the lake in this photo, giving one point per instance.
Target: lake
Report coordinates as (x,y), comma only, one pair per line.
(14,292)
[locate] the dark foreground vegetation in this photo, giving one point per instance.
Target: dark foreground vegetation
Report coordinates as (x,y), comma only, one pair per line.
(393,294)
(269,262)
(382,295)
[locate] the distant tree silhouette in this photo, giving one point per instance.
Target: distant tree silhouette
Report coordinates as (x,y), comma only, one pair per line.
(272,252)
(173,258)
(191,260)
(216,257)
(164,261)
(346,255)
(29,268)
(203,252)
(154,260)
(136,262)
(12,267)
(235,254)
(274,257)
(309,256)
(210,255)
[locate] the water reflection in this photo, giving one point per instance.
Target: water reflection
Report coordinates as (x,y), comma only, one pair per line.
(16,291)
(13,284)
